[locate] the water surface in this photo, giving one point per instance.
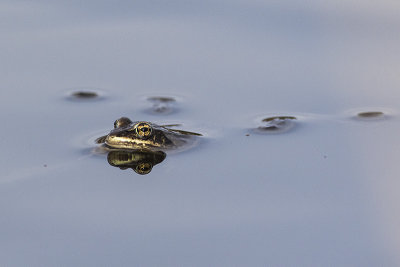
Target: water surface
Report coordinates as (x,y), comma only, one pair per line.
(324,191)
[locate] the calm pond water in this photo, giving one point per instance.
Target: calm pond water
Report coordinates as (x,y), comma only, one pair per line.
(318,186)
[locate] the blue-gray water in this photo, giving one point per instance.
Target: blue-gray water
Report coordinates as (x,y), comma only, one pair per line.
(323,193)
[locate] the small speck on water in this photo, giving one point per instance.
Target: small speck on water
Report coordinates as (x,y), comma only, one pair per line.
(247,134)
(45,165)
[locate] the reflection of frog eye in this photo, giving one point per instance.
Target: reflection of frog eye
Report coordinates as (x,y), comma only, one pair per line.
(143,168)
(143,129)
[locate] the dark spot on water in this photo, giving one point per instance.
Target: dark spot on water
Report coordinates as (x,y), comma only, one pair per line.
(370,114)
(279,118)
(276,124)
(162,105)
(85,94)
(269,128)
(247,134)
(164,99)
(45,165)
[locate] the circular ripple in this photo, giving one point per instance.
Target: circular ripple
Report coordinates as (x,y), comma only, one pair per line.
(161,105)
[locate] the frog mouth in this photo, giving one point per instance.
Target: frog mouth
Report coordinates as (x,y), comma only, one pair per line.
(123,142)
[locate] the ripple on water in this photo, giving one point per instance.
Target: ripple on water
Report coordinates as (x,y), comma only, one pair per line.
(161,105)
(276,124)
(81,95)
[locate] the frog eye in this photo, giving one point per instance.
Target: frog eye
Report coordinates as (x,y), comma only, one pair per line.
(143,129)
(123,121)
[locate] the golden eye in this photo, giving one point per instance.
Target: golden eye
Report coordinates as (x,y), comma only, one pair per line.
(143,168)
(143,129)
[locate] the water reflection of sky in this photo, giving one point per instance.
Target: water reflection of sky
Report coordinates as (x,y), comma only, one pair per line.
(321,193)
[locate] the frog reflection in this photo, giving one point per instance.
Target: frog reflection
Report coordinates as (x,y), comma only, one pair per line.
(141,161)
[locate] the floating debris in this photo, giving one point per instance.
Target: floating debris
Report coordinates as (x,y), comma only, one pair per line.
(277,124)
(85,94)
(282,118)
(161,99)
(370,114)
